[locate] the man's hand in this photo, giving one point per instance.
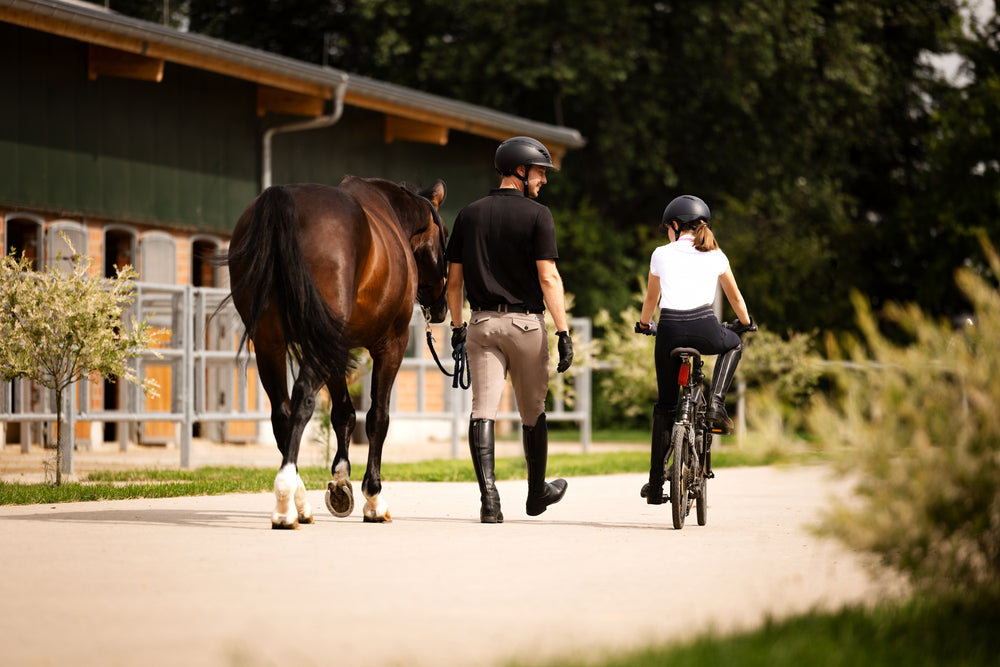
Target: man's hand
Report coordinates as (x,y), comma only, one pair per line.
(458,335)
(565,351)
(646,329)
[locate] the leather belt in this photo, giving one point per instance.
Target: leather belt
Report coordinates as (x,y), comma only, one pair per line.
(508,308)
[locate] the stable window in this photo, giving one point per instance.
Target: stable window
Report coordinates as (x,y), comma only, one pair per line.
(158,258)
(23,235)
(58,252)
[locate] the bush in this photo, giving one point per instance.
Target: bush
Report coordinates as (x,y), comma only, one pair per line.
(917,425)
(781,374)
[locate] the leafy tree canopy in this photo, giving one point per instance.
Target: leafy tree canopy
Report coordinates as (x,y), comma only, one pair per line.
(833,154)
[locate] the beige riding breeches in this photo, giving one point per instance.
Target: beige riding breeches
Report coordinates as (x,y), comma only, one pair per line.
(498,343)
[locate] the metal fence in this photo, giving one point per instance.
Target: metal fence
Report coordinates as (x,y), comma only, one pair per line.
(210,389)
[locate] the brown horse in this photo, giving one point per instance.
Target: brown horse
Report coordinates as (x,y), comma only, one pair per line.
(316,272)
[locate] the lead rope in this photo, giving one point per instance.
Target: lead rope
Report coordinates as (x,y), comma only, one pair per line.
(462,377)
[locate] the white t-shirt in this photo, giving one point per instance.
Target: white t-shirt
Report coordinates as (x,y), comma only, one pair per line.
(689,278)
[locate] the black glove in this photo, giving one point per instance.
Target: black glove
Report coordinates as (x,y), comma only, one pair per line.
(739,327)
(458,335)
(647,331)
(565,351)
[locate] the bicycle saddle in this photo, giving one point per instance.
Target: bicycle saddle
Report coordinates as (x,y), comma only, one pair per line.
(681,351)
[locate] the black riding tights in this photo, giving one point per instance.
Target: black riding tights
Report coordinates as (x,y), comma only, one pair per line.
(697,328)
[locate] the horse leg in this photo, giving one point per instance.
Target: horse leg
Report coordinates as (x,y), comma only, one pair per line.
(292,507)
(339,493)
(385,364)
(288,486)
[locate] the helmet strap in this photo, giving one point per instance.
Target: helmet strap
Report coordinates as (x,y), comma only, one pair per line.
(524,179)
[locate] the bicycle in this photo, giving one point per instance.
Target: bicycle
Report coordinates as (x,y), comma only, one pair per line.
(687,465)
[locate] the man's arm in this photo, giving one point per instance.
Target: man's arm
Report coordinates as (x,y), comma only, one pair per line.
(456,296)
(552,291)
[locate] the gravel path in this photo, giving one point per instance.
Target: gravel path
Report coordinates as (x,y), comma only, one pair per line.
(205,581)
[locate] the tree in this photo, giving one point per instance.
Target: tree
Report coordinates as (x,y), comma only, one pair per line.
(58,328)
(815,129)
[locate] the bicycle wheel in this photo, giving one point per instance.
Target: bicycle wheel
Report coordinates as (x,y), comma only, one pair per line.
(702,499)
(679,503)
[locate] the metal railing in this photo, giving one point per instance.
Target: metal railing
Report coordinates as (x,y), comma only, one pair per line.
(208,386)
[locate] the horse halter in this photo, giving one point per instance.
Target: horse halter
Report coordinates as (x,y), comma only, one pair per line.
(423,292)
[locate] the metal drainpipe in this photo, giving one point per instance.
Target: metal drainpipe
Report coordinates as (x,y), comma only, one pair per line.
(314,124)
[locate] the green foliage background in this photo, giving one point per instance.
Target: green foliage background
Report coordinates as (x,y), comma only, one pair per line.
(833,154)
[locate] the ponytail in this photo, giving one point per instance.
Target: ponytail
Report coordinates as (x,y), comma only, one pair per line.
(704,239)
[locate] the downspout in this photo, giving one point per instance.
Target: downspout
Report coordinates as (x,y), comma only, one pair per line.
(314,124)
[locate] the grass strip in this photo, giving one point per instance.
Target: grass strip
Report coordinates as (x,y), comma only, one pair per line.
(916,633)
(216,480)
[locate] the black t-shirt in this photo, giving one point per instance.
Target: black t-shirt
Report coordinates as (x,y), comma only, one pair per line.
(497,240)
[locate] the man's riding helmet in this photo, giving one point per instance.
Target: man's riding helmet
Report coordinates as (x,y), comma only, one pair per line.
(518,151)
(687,209)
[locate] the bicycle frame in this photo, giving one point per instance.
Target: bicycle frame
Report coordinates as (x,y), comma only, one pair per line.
(691,441)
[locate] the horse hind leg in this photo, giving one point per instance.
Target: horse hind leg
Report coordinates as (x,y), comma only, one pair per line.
(339,492)
(292,506)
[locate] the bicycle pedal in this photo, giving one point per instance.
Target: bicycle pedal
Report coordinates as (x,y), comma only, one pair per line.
(709,475)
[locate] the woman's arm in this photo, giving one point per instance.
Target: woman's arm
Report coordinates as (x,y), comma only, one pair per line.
(732,290)
(652,296)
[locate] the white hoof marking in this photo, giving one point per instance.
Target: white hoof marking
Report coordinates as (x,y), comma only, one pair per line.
(285,515)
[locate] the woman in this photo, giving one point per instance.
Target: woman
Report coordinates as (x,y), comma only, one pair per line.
(683,277)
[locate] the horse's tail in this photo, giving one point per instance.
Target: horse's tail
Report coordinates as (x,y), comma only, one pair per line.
(270,256)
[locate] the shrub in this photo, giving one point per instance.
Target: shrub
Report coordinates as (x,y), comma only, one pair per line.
(917,425)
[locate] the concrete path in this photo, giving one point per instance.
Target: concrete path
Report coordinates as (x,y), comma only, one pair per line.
(205,581)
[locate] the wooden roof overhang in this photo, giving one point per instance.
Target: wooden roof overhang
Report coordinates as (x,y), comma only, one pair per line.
(125,47)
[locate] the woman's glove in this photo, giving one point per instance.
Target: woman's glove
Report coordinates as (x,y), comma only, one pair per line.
(649,330)
(565,351)
(739,327)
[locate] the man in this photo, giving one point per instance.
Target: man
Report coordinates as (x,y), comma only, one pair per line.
(503,250)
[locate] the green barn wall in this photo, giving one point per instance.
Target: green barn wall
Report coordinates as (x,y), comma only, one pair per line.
(355,146)
(184,152)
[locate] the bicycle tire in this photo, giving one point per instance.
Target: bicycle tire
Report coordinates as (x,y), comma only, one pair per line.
(679,501)
(702,499)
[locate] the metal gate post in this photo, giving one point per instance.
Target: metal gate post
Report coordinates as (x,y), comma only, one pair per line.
(187,377)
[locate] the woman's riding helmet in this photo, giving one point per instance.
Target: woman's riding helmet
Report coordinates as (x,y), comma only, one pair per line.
(686,209)
(516,151)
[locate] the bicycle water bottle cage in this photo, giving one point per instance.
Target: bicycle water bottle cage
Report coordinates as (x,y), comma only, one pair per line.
(686,354)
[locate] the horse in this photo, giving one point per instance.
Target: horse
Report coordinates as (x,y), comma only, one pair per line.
(316,272)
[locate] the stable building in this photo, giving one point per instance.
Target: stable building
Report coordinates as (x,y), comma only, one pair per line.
(143,145)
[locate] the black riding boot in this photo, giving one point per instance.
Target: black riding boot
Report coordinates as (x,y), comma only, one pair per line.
(481,447)
(658,452)
(536,454)
(725,369)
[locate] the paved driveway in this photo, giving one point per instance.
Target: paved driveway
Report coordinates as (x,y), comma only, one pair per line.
(205,581)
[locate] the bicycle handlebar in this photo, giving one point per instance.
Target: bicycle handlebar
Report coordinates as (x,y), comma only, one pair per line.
(739,327)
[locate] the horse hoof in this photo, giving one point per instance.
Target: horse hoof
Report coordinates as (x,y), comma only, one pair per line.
(280,525)
(373,518)
(306,519)
(340,499)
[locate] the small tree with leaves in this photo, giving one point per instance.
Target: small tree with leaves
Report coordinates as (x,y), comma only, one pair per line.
(58,327)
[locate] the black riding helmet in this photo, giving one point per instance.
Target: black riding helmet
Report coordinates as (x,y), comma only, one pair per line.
(686,209)
(518,151)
